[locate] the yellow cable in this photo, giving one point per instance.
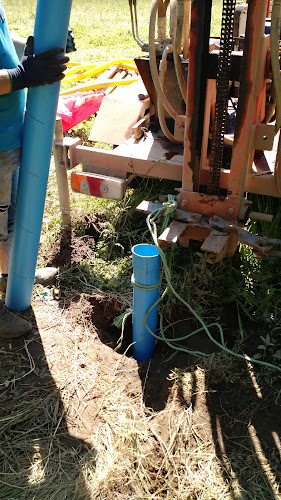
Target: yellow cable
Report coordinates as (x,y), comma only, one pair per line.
(98,69)
(98,85)
(79,68)
(81,63)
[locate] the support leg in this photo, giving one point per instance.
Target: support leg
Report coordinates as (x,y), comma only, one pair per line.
(61,174)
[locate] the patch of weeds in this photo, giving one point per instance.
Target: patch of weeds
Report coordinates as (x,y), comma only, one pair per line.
(267,205)
(101,276)
(223,368)
(269,348)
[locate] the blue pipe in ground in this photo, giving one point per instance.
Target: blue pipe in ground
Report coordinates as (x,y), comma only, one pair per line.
(146,268)
(50,31)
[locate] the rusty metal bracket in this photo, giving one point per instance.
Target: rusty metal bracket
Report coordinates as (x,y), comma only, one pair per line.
(264,137)
(218,235)
(261,244)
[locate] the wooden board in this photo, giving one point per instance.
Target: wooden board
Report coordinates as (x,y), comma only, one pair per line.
(172,234)
(118,113)
(217,243)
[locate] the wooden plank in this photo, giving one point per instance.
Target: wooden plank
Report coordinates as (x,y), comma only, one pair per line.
(217,243)
(148,207)
(172,234)
(118,112)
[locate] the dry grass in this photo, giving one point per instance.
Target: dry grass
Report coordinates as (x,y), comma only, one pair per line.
(127,457)
(75,425)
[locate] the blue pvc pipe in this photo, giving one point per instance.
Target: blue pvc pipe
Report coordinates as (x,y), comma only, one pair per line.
(146,267)
(50,31)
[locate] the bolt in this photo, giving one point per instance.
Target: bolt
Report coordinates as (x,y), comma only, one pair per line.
(104,188)
(262,241)
(84,185)
(195,217)
(215,218)
(184,203)
(230,211)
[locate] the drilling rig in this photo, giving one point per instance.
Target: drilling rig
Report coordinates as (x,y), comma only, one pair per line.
(211,118)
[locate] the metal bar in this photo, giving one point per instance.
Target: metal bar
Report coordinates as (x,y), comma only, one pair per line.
(193,96)
(123,160)
(61,175)
(257,184)
(203,86)
(252,79)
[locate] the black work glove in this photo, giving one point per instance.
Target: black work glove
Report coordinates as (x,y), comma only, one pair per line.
(40,69)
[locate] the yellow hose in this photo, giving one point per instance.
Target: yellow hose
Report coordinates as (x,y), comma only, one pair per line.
(98,85)
(97,69)
(153,64)
(81,63)
(79,68)
(73,63)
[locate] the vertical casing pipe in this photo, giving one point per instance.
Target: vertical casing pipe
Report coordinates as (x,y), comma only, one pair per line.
(146,281)
(50,31)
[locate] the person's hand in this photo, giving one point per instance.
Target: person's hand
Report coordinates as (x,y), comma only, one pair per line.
(38,69)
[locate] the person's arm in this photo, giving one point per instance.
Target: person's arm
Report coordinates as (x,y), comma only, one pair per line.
(5,82)
(19,43)
(34,70)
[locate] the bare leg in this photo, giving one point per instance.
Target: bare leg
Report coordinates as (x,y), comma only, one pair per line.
(5,252)
(43,276)
(11,326)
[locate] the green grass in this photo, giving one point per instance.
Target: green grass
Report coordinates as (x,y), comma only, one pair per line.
(100,30)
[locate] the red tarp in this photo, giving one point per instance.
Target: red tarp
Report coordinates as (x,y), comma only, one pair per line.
(75,108)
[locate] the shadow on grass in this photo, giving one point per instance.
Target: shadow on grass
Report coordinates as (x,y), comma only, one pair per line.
(233,406)
(245,414)
(38,456)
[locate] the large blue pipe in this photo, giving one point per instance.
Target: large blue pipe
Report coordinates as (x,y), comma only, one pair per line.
(146,277)
(50,31)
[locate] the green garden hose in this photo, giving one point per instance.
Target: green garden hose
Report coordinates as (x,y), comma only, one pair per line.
(171,206)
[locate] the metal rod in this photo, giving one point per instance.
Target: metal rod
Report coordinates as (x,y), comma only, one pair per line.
(61,175)
(193,96)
